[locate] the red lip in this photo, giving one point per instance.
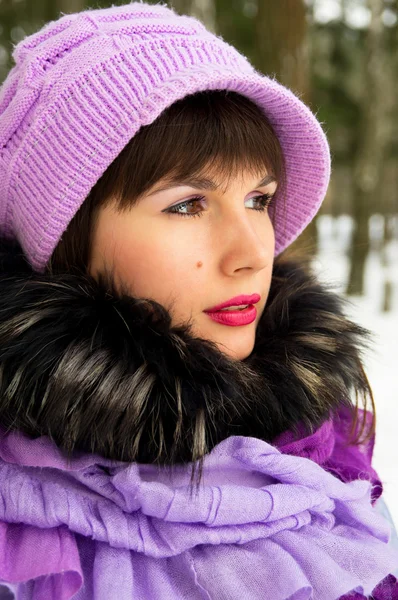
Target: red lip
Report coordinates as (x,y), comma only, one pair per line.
(236,301)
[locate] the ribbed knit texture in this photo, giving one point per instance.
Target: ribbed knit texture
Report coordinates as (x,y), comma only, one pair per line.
(82,87)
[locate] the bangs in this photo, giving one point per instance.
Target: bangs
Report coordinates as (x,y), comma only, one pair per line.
(216,134)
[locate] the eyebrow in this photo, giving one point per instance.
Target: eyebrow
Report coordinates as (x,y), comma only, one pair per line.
(203,183)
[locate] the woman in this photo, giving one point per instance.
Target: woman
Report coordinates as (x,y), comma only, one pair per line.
(175,394)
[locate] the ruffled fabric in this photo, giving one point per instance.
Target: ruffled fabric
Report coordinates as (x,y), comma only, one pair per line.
(328,447)
(50,557)
(262,524)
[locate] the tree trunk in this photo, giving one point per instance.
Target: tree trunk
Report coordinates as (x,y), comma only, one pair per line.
(282,43)
(204,10)
(372,145)
(70,6)
(388,287)
(282,50)
(8,21)
(183,7)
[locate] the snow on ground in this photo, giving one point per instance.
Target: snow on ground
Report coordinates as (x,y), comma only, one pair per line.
(381,364)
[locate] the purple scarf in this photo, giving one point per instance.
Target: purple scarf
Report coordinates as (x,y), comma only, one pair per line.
(268,522)
(327,447)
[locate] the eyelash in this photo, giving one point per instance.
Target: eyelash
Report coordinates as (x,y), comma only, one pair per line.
(265,198)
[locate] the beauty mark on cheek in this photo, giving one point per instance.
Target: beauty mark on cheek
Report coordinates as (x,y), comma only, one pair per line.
(199,264)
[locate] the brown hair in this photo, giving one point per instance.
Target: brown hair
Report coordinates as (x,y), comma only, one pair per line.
(216,131)
(208,132)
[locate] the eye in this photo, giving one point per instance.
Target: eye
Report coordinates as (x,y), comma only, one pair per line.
(175,210)
(263,200)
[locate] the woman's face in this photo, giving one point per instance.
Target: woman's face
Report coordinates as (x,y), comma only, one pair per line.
(192,263)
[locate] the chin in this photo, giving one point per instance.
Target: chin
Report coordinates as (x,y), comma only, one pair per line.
(238,346)
(234,342)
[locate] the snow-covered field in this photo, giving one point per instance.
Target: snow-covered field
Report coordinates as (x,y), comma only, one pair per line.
(382,363)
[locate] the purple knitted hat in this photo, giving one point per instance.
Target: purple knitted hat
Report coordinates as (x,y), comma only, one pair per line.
(83,86)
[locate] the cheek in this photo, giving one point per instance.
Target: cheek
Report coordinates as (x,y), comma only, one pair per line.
(161,268)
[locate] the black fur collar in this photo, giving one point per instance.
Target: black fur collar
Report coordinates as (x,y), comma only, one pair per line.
(108,374)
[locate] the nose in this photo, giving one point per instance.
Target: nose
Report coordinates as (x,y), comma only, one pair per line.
(245,240)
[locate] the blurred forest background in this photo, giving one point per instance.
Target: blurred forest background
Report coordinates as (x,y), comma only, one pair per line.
(341,58)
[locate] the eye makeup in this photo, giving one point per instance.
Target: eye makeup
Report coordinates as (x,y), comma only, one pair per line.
(263,199)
